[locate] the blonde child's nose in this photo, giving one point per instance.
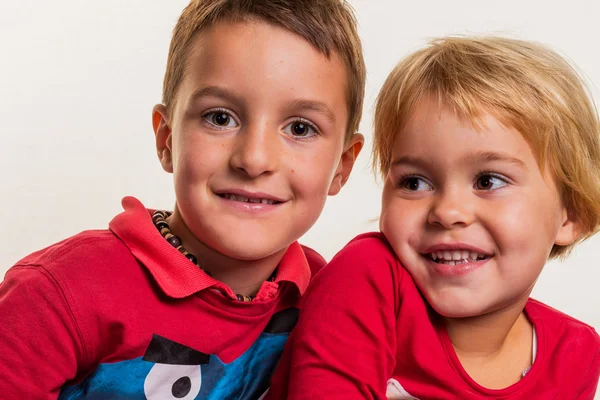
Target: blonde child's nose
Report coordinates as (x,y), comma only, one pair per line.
(451,209)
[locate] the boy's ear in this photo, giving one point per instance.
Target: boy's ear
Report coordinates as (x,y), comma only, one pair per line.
(342,173)
(162,132)
(570,230)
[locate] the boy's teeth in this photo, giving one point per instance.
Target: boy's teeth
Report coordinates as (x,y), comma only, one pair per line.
(244,199)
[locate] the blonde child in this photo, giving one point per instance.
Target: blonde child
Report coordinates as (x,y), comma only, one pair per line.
(490,152)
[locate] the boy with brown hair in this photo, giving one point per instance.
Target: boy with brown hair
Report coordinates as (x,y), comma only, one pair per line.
(490,151)
(262,101)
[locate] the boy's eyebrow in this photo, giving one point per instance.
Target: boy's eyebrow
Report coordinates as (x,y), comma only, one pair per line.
(214,91)
(318,106)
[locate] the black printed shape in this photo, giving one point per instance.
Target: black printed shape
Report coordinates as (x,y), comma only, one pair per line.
(283,321)
(164,351)
(182,387)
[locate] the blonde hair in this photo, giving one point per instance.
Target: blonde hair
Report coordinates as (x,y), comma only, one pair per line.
(329,25)
(525,86)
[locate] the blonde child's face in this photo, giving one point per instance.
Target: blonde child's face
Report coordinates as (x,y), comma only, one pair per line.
(469,213)
(257,137)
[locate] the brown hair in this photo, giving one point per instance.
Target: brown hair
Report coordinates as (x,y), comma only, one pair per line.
(524,85)
(329,25)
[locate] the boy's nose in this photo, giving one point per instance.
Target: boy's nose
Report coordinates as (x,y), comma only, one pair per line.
(256,151)
(451,209)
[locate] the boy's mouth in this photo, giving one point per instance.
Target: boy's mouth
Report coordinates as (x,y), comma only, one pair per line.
(245,199)
(455,257)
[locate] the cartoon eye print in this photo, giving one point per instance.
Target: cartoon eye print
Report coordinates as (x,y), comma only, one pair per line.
(177,372)
(167,381)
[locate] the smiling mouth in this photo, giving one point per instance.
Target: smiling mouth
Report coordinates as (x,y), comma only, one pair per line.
(251,200)
(456,257)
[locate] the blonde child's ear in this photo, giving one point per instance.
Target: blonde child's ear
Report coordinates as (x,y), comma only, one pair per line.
(162,132)
(571,229)
(342,173)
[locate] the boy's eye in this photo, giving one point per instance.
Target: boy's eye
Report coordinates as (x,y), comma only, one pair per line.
(489,182)
(220,119)
(301,129)
(414,184)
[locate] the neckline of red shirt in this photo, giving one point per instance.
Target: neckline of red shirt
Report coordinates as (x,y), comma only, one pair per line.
(175,274)
(532,374)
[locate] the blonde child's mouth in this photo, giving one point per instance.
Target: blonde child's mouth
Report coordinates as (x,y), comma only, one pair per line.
(456,257)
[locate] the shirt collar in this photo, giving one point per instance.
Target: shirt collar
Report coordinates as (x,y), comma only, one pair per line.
(175,274)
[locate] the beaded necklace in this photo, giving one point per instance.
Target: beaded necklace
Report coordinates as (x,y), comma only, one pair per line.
(160,221)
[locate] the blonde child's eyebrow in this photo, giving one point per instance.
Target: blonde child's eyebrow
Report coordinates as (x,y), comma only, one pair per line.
(491,156)
(314,105)
(410,160)
(476,157)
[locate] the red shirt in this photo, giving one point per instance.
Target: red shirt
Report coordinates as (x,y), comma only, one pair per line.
(120,313)
(365,330)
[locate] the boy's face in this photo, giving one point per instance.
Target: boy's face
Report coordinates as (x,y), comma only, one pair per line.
(469,213)
(256,139)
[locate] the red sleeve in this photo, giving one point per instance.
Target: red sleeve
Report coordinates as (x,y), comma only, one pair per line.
(590,382)
(39,340)
(344,344)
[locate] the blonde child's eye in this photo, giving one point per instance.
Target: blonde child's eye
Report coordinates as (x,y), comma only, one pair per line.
(301,129)
(414,184)
(220,119)
(489,182)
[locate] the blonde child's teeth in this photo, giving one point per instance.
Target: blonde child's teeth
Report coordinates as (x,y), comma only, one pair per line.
(455,257)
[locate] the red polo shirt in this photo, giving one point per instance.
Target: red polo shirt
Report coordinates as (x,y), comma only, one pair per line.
(101,312)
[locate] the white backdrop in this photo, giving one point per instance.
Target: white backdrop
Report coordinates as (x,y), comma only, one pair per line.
(78,80)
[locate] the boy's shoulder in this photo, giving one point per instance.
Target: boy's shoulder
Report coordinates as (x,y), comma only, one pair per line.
(78,254)
(85,246)
(89,264)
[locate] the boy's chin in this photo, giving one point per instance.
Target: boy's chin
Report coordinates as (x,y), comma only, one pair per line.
(249,249)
